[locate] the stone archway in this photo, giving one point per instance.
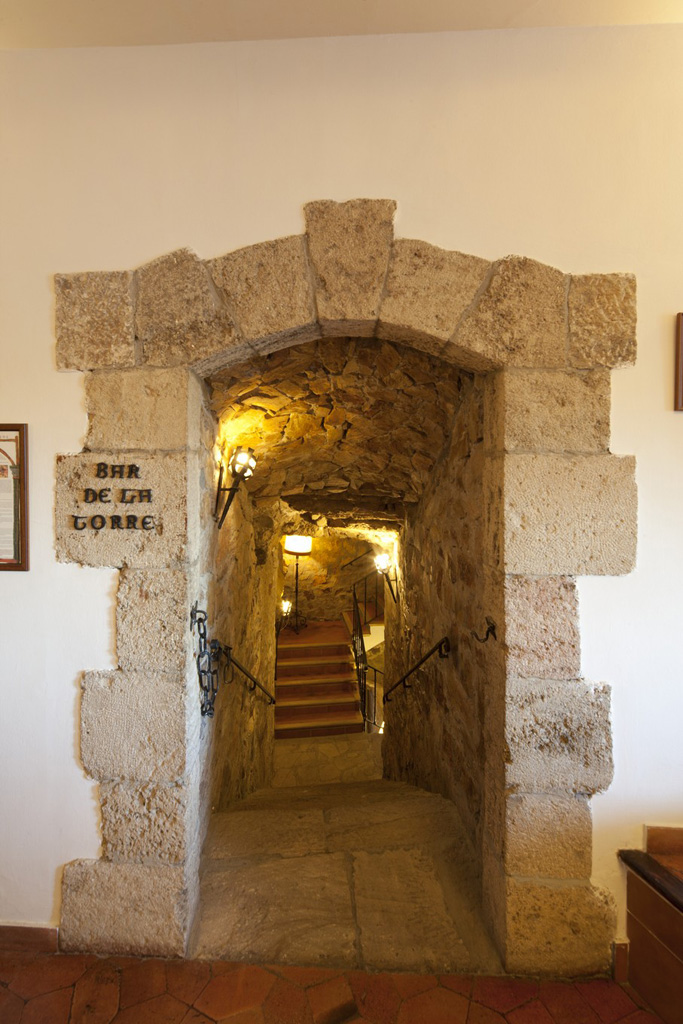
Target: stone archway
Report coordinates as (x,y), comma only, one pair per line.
(559,505)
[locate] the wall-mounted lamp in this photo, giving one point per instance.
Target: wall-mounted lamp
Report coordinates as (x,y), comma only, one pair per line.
(295,544)
(383,565)
(282,620)
(241,465)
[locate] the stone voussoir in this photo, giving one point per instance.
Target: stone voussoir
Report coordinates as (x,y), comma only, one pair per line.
(94,320)
(427,290)
(180,319)
(349,246)
(558,736)
(124,908)
(519,318)
(602,320)
(133,726)
(570,515)
(268,288)
(144,409)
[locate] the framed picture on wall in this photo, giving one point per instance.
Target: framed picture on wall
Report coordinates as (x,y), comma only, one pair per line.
(13,496)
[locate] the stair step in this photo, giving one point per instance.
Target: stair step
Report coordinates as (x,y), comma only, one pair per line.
(329,677)
(292,652)
(310,731)
(317,701)
(347,710)
(314,718)
(317,667)
(283,691)
(330,714)
(315,634)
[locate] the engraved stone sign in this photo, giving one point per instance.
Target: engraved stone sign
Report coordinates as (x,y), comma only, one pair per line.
(116,509)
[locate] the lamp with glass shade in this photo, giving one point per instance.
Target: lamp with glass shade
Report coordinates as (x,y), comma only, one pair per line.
(297,545)
(241,465)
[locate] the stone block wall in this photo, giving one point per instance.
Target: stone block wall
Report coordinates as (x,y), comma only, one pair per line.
(568,508)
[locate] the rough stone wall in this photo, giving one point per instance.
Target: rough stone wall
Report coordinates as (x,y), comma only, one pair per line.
(324,584)
(352,419)
(243,603)
(435,735)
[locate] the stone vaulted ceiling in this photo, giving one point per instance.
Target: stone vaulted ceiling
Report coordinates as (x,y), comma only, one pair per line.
(342,425)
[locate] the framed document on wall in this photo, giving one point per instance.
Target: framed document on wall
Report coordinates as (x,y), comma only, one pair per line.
(13,496)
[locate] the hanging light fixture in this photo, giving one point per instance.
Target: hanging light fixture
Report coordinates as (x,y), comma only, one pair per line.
(296,544)
(383,565)
(241,465)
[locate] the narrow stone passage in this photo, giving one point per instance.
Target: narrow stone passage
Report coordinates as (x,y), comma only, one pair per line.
(374,875)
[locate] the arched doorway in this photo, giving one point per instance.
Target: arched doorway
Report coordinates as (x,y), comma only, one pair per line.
(552,504)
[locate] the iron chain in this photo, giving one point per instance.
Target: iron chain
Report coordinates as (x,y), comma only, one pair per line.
(208,660)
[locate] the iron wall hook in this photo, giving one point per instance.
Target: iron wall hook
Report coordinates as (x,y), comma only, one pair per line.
(490,631)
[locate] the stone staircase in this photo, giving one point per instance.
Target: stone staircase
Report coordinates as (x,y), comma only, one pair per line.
(316,689)
(375,875)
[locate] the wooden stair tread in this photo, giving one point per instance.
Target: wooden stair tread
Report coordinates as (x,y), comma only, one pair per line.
(304,702)
(313,731)
(315,660)
(312,634)
(324,721)
(332,677)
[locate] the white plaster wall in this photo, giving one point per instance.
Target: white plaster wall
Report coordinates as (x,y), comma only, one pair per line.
(563,145)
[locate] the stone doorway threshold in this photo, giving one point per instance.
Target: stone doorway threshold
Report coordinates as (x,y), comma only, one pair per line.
(327,759)
(373,875)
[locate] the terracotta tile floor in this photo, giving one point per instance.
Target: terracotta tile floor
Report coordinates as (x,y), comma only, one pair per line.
(58,989)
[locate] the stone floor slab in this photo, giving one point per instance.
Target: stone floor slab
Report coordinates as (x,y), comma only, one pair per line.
(393,823)
(283,910)
(287,832)
(402,916)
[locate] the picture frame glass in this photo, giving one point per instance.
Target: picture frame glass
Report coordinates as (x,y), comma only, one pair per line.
(13,496)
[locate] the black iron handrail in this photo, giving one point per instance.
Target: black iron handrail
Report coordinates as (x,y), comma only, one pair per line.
(227,651)
(364,554)
(443,647)
(371,668)
(359,655)
(372,597)
(362,667)
(213,656)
